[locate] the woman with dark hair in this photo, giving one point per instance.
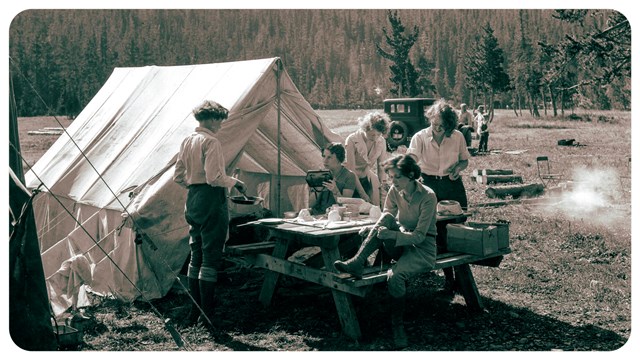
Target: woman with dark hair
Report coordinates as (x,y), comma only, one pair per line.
(442,154)
(343,183)
(406,231)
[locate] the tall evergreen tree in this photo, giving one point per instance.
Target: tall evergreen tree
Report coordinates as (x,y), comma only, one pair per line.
(485,68)
(403,74)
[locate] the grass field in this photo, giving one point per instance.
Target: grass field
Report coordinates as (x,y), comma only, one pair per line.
(565,286)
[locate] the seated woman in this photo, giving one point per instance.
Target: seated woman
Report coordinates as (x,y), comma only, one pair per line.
(343,183)
(406,231)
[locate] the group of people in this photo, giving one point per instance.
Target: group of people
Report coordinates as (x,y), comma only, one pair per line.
(406,231)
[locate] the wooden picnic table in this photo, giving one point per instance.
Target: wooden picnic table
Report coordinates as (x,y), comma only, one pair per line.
(270,255)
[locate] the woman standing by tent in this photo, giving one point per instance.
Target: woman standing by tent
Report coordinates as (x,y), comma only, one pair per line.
(366,151)
(200,168)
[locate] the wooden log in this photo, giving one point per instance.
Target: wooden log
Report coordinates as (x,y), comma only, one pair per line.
(515,191)
(492,179)
(480,172)
(497,172)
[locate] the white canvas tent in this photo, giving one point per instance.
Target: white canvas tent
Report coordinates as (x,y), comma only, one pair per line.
(118,158)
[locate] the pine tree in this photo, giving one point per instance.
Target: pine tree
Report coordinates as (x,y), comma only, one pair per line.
(403,74)
(484,68)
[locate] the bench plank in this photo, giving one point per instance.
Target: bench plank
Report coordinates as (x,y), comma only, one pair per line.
(376,274)
(264,247)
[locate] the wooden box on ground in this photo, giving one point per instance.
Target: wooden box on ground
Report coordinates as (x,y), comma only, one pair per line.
(472,240)
(503,231)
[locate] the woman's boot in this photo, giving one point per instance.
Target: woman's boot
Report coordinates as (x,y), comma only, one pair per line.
(355,265)
(400,340)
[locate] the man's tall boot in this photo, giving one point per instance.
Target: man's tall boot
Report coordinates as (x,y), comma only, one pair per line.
(194,290)
(208,303)
(355,265)
(400,340)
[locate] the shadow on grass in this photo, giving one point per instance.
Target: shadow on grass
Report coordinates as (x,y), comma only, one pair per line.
(434,321)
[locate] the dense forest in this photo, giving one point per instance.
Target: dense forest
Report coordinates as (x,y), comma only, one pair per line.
(59,59)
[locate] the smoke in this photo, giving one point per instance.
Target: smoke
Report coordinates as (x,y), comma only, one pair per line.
(593,195)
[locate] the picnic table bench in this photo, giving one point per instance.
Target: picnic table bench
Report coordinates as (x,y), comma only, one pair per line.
(270,255)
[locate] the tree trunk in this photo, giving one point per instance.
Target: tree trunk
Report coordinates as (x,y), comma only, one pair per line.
(520,104)
(534,106)
(544,100)
(491,97)
(553,101)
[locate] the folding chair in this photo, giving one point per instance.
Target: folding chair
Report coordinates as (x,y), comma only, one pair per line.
(547,174)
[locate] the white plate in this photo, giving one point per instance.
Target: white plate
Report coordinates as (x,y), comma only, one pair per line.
(271,221)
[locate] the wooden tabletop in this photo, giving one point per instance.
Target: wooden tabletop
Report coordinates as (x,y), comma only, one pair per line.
(318,231)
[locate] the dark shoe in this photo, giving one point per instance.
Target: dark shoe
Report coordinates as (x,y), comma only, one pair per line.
(352,266)
(400,340)
(451,286)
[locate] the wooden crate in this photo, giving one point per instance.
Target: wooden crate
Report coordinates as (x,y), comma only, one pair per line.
(472,240)
(503,231)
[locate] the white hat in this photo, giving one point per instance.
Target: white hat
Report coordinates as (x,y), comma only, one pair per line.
(449,207)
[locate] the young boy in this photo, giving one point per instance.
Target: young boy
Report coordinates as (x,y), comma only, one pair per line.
(200,168)
(483,129)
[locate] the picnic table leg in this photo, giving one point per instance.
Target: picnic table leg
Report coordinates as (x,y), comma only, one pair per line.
(468,287)
(271,277)
(344,304)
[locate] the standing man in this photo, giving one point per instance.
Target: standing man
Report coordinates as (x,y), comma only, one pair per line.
(200,168)
(465,117)
(465,123)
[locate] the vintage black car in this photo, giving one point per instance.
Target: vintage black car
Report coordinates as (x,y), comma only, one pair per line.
(407,118)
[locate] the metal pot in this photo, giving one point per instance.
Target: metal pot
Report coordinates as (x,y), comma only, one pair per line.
(246,200)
